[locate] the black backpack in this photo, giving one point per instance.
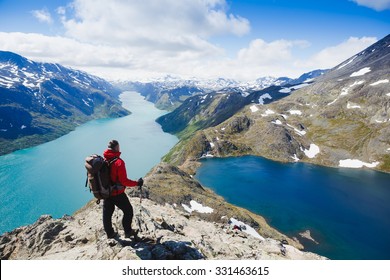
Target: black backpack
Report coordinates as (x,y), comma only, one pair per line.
(98,176)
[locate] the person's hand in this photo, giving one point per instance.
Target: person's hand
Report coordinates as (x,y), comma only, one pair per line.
(140,182)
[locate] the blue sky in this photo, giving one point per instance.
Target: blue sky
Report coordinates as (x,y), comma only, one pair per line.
(239,39)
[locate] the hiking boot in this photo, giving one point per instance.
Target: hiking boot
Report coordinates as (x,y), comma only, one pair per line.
(112,235)
(131,233)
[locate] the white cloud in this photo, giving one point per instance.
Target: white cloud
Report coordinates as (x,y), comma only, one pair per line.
(277,58)
(166,25)
(261,52)
(258,59)
(42,15)
(64,50)
(142,39)
(333,55)
(378,5)
(202,60)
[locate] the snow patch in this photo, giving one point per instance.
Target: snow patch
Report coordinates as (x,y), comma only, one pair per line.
(295,112)
(195,206)
(246,228)
(289,89)
(29,85)
(295,158)
(254,108)
(345,91)
(285,90)
(355,163)
(361,72)
(352,106)
(382,121)
(312,151)
(299,86)
(299,132)
(380,82)
(267,113)
(348,62)
(308,80)
(278,122)
(207,155)
(86,103)
(263,97)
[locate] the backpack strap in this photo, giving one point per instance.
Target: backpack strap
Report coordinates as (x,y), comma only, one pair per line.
(114,184)
(112,161)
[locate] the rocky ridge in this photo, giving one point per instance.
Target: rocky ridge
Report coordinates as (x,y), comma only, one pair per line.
(166,230)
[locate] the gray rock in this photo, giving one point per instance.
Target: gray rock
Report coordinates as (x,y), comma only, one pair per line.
(82,237)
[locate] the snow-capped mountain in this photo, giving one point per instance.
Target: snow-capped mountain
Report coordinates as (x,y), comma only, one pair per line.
(212,108)
(170,91)
(41,101)
(18,71)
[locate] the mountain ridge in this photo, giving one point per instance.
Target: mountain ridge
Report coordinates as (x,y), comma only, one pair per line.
(42,101)
(169,92)
(340,120)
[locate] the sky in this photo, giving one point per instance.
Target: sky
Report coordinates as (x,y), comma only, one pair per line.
(204,39)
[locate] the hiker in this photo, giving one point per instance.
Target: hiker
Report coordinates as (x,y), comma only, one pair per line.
(118,196)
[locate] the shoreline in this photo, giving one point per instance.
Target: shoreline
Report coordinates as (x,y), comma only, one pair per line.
(73,148)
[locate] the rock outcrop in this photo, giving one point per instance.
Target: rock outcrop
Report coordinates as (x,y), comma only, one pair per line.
(169,224)
(164,233)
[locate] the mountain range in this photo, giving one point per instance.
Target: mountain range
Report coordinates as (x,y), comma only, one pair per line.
(209,109)
(169,92)
(42,101)
(341,119)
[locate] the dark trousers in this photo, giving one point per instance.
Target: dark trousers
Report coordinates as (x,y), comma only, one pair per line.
(123,203)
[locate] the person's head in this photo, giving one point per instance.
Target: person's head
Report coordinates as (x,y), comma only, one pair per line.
(113,145)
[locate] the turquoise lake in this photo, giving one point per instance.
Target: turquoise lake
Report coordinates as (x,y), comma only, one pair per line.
(346,210)
(50,178)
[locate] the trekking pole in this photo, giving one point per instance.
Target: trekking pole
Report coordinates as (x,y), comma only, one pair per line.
(140,184)
(140,208)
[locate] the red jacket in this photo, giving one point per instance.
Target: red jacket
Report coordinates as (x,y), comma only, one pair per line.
(118,172)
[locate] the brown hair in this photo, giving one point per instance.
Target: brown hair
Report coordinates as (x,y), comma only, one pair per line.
(113,144)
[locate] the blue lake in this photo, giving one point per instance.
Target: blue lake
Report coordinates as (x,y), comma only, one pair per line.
(50,178)
(346,210)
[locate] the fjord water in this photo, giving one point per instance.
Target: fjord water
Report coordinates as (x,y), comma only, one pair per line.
(346,210)
(50,178)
